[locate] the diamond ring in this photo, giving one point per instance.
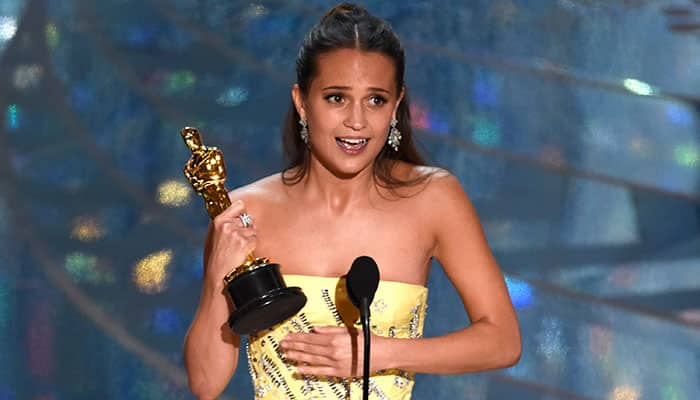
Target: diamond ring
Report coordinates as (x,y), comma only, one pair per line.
(246,220)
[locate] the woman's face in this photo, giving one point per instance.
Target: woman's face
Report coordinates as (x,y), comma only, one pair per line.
(348,108)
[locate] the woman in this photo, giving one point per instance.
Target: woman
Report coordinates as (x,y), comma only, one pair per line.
(356,186)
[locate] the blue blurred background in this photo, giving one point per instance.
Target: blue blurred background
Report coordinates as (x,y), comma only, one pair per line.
(573,125)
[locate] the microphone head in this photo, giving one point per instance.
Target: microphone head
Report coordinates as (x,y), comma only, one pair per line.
(362,280)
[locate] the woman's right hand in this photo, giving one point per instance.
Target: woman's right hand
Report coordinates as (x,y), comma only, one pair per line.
(229,243)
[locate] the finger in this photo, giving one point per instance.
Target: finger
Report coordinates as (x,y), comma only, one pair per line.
(248,233)
(319,370)
(244,240)
(309,338)
(251,244)
(228,219)
(313,359)
(234,230)
(305,348)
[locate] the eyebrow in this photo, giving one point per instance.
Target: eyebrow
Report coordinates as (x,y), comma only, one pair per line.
(371,89)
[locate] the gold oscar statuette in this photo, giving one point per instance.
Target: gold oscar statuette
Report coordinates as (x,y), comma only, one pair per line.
(256,287)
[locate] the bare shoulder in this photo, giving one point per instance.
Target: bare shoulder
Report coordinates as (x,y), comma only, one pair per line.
(443,184)
(261,193)
(443,196)
(408,172)
(432,183)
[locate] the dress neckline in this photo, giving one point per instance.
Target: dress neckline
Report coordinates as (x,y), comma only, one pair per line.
(335,278)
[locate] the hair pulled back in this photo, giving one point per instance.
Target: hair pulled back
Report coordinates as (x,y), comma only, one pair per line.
(349,26)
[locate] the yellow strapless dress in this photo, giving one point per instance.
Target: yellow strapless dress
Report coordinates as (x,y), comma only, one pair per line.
(398,310)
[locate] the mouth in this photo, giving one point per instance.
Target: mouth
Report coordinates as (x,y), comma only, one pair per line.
(352,144)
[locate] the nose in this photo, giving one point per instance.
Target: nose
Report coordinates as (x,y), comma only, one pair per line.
(356,117)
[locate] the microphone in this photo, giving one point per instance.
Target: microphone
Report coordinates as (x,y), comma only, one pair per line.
(362,282)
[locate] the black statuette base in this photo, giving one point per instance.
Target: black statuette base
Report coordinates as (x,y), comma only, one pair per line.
(262,299)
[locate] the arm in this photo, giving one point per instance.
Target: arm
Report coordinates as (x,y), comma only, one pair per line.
(493,339)
(211,349)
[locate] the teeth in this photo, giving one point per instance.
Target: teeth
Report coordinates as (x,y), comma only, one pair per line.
(353,142)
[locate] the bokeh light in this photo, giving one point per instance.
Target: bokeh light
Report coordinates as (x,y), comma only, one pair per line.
(27,76)
(87,229)
(83,267)
(419,116)
(624,393)
(679,115)
(174,193)
(8,28)
(151,273)
(486,132)
(638,87)
(232,97)
(179,81)
(52,35)
(686,155)
(550,341)
(640,145)
(423,118)
(256,10)
(12,116)
(691,316)
(520,293)
(672,392)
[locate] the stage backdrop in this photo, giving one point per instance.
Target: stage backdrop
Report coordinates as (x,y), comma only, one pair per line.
(572,124)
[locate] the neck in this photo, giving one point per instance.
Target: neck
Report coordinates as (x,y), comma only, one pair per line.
(337,193)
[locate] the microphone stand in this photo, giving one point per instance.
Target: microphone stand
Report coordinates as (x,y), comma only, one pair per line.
(364,317)
(362,282)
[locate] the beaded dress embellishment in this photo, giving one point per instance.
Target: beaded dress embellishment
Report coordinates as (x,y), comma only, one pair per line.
(398,310)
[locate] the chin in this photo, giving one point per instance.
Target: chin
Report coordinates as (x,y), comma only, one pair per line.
(351,169)
(348,173)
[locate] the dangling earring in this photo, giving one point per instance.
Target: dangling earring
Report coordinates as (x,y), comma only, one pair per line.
(304,132)
(394,139)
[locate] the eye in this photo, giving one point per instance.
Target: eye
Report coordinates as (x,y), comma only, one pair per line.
(334,98)
(377,100)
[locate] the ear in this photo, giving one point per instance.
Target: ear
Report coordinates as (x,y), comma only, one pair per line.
(398,102)
(298,100)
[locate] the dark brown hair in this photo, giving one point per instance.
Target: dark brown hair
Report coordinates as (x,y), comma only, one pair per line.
(348,26)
